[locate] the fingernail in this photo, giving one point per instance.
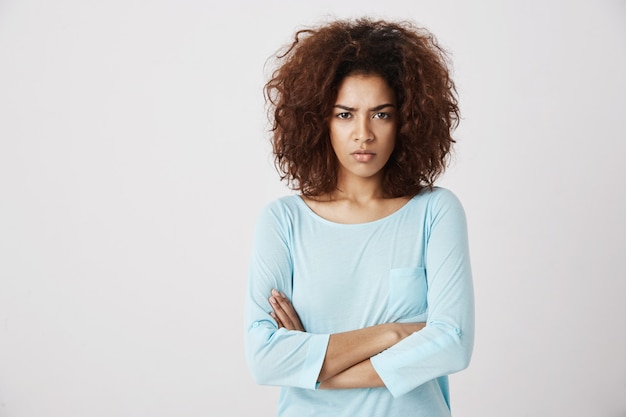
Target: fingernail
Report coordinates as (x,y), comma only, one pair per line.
(275,292)
(272,300)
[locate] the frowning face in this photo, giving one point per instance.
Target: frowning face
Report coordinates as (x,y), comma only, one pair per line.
(363,126)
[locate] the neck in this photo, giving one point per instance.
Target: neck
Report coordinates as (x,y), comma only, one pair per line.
(358,189)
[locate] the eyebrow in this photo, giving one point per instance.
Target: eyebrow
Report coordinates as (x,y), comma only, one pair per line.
(377,108)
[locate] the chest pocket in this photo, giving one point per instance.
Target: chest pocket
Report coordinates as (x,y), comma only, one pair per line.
(407,293)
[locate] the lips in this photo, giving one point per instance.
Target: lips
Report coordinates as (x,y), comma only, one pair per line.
(362,156)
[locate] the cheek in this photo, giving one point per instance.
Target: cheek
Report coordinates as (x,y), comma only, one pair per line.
(391,140)
(389,150)
(337,140)
(333,144)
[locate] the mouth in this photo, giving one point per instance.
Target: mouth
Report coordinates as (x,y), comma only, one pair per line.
(362,156)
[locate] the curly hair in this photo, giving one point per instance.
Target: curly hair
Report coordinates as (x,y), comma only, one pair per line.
(302,90)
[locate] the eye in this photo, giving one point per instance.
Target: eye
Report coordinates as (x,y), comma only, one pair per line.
(382,115)
(343,115)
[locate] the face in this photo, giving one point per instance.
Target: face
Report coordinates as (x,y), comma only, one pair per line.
(363,126)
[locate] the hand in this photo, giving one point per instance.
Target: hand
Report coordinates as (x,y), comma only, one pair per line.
(284,313)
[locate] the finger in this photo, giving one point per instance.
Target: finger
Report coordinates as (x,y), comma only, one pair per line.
(280,312)
(291,311)
(285,310)
(292,320)
(278,322)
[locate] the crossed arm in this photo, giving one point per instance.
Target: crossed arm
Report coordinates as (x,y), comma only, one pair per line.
(347,362)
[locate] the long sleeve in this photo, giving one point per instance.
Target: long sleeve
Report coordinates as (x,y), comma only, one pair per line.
(445,345)
(277,356)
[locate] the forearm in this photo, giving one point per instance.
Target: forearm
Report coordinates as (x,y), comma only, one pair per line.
(348,349)
(361,375)
(345,349)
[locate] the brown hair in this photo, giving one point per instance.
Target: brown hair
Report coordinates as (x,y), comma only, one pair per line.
(304,85)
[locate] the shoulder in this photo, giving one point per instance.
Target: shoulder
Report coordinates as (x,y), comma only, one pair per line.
(437,197)
(281,210)
(282,205)
(440,203)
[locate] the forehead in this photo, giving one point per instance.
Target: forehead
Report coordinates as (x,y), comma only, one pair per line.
(372,89)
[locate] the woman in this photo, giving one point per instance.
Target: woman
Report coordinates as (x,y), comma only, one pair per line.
(359,299)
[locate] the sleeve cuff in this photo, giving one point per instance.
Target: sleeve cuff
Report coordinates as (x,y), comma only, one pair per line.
(395,388)
(314,360)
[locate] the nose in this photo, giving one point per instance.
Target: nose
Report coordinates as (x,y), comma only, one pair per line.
(363,131)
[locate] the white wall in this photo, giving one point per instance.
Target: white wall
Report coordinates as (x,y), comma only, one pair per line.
(134,159)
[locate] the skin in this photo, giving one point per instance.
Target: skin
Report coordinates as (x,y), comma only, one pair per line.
(363,127)
(347,362)
(364,120)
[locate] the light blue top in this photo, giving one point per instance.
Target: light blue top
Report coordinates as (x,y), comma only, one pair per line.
(410,266)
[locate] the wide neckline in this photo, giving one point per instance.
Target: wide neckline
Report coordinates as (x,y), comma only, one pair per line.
(316,216)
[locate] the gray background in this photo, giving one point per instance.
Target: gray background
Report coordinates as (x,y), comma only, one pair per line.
(134,160)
